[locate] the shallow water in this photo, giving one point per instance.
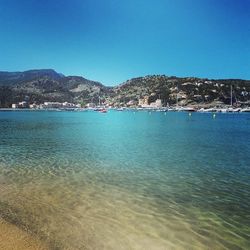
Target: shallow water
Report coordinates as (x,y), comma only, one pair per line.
(125,180)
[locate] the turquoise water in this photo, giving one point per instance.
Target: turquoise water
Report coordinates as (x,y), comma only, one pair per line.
(125,180)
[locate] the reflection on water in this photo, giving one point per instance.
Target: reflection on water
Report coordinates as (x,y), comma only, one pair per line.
(127,181)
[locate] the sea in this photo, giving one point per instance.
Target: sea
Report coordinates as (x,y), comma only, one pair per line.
(127,180)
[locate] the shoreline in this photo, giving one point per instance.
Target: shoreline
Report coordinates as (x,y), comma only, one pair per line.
(209,109)
(14,238)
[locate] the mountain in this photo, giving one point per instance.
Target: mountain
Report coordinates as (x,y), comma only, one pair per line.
(190,90)
(48,85)
(11,78)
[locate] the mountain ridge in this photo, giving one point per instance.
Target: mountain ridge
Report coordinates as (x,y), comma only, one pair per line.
(48,85)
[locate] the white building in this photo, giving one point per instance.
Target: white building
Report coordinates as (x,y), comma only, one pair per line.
(156,104)
(23,104)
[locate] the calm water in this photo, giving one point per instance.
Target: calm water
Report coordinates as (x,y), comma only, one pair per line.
(124,180)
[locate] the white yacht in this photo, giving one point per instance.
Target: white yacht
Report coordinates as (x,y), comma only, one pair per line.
(245,109)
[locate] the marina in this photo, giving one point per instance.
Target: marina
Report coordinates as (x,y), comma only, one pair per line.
(104,109)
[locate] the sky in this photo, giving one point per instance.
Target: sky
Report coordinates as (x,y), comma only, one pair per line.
(112,41)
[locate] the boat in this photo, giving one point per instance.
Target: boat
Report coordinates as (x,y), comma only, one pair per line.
(120,109)
(171,109)
(233,110)
(207,110)
(236,109)
(103,110)
(245,109)
(187,109)
(161,110)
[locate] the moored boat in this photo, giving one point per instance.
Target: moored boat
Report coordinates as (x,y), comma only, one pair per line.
(103,110)
(187,109)
(207,110)
(246,109)
(120,109)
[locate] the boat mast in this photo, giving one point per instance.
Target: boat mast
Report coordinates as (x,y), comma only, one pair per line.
(231,96)
(177,96)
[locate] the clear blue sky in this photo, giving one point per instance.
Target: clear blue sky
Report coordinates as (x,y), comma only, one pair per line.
(114,40)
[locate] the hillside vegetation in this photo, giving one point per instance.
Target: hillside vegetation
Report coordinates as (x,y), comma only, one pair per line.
(48,85)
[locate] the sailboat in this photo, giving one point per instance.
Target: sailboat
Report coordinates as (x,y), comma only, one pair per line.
(231,109)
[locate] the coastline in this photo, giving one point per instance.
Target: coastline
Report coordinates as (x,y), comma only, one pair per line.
(14,238)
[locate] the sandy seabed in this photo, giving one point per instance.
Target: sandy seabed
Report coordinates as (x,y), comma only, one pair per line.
(13,238)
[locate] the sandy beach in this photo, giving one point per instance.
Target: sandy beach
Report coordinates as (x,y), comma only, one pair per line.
(13,238)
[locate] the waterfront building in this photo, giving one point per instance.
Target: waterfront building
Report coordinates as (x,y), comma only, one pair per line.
(156,104)
(23,104)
